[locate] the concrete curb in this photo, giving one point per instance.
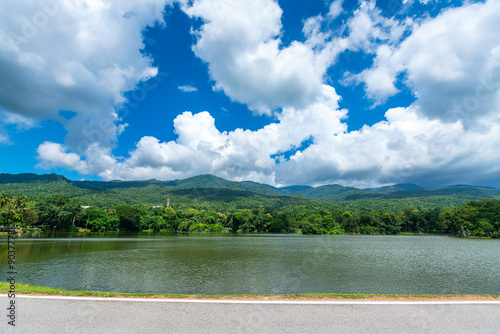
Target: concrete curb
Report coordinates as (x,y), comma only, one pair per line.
(258,301)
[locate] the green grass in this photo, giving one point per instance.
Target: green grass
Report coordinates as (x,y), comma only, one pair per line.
(22,288)
(32,289)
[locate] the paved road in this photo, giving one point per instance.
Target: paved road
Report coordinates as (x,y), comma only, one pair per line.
(67,315)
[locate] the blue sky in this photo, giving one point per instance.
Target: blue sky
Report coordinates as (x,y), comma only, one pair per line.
(361,93)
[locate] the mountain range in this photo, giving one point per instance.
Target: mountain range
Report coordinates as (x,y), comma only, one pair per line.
(216,189)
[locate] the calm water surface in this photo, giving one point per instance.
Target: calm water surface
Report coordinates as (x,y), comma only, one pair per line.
(235,264)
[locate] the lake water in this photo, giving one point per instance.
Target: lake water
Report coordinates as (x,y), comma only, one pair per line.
(270,263)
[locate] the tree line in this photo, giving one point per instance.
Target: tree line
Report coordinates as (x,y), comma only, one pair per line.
(61,213)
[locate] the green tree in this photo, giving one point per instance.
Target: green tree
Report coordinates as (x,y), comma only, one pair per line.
(12,209)
(309,228)
(458,219)
(184,226)
(237,219)
(152,222)
(486,227)
(58,212)
(350,221)
(171,219)
(130,217)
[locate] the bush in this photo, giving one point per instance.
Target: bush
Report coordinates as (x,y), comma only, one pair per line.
(495,235)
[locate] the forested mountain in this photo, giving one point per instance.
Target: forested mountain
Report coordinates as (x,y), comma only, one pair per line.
(208,188)
(30,178)
(207,203)
(396,187)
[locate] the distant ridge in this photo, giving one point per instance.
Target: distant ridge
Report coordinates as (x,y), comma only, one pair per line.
(468,186)
(396,187)
(212,181)
(294,189)
(212,188)
(31,177)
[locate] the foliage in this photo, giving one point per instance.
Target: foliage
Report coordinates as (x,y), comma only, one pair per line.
(58,212)
(14,210)
(210,192)
(99,220)
(129,217)
(210,204)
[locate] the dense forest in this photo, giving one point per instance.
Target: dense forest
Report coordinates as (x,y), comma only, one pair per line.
(59,212)
(207,203)
(208,191)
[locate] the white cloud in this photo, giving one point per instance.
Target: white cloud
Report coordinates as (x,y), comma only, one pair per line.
(53,155)
(20,121)
(453,63)
(238,155)
(56,155)
(335,9)
(241,43)
(380,79)
(450,62)
(244,49)
(79,56)
(368,28)
(187,89)
(4,139)
(371,32)
(425,2)
(405,148)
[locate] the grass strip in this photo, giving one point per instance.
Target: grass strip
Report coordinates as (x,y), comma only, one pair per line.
(26,289)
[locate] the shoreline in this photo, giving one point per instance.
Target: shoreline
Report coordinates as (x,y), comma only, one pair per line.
(28,289)
(163,232)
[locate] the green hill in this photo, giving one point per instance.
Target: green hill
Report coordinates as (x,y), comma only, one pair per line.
(30,178)
(204,190)
(326,193)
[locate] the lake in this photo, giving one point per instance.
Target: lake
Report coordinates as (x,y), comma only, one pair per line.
(259,263)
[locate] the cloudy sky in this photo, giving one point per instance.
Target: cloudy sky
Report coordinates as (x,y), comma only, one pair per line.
(361,93)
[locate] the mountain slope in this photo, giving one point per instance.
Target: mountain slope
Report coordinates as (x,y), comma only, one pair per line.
(209,188)
(396,187)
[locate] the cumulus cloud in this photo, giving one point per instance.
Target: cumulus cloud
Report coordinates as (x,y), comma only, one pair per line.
(79,56)
(241,43)
(56,155)
(380,79)
(373,33)
(238,155)
(335,9)
(451,63)
(450,134)
(53,155)
(368,28)
(406,148)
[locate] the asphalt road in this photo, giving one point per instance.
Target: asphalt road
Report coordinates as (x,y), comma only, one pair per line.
(86,315)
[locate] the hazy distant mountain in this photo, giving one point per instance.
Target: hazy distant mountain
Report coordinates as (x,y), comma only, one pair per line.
(396,187)
(327,193)
(293,190)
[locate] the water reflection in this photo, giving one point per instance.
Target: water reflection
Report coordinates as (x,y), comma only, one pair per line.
(216,264)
